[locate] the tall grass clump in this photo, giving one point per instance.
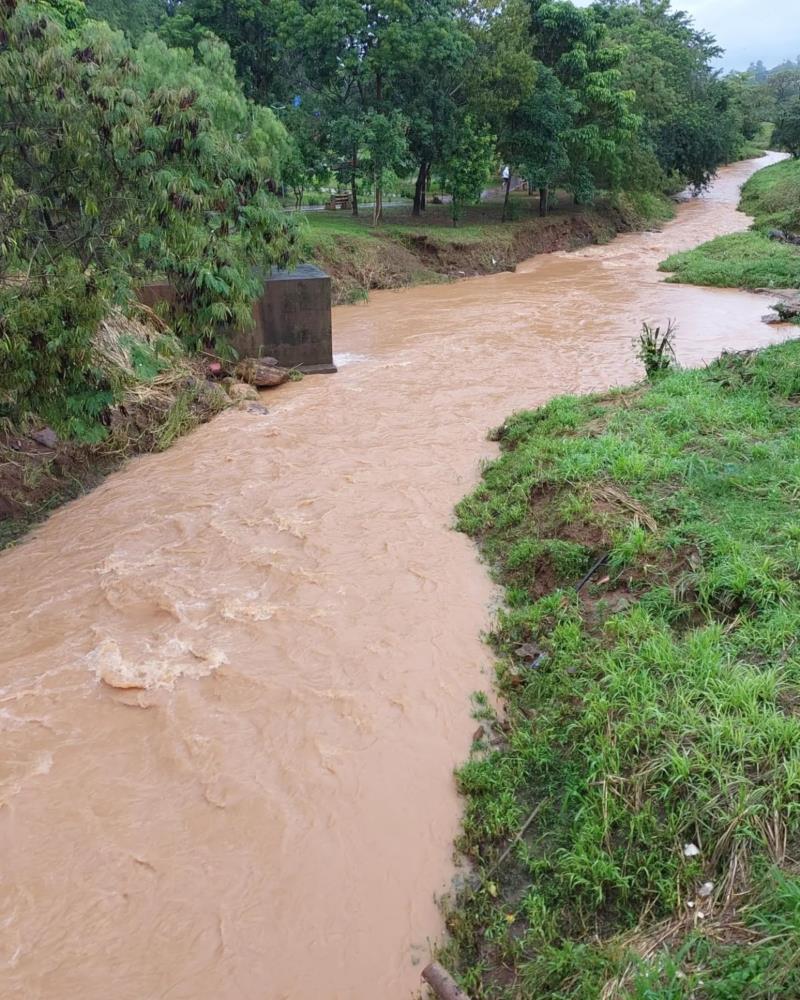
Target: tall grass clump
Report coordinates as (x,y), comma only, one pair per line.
(633,814)
(656,348)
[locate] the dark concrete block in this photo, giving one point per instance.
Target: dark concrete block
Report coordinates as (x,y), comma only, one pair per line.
(293,319)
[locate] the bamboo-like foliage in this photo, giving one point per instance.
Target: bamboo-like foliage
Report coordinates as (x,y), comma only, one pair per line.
(116,164)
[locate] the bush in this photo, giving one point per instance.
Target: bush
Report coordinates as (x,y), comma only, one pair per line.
(116,164)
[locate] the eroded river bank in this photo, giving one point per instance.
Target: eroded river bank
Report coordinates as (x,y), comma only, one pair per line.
(271,816)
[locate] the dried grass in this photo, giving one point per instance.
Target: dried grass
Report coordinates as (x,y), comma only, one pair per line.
(619,498)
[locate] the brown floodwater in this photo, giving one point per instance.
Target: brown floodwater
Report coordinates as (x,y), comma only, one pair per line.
(235,679)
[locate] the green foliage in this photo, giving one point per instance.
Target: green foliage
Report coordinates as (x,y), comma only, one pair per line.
(787,128)
(657,709)
(656,348)
(467,159)
(115,164)
(687,116)
(772,196)
(71,13)
(134,17)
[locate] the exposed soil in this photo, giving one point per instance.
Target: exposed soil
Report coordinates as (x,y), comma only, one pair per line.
(397,258)
(38,471)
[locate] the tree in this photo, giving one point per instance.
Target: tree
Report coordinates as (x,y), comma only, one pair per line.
(787,130)
(252,30)
(134,17)
(540,128)
(385,142)
(425,81)
(467,158)
(572,43)
(308,152)
(688,117)
(110,172)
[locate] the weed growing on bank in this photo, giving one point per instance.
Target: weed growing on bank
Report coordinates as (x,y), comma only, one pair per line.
(650,743)
(751,259)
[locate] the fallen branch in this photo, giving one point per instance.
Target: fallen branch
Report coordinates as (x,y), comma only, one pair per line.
(442,983)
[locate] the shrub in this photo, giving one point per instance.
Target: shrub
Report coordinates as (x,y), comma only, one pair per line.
(116,164)
(655,349)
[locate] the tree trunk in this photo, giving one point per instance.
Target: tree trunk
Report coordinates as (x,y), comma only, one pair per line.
(377,214)
(543,201)
(505,200)
(419,189)
(354,182)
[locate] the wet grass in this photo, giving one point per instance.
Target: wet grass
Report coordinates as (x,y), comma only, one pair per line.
(633,816)
(751,259)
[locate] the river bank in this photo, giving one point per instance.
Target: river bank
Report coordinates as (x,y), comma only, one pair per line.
(161,396)
(758,258)
(406,251)
(306,629)
(155,393)
(630,816)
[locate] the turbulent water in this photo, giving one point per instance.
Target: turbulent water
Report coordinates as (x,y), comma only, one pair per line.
(235,679)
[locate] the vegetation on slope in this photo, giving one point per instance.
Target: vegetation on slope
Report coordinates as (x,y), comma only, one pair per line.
(633,817)
(752,259)
(159,392)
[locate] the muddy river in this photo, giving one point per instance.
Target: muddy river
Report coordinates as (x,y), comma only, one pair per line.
(268,811)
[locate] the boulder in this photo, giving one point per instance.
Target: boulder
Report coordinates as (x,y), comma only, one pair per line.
(46,437)
(241,392)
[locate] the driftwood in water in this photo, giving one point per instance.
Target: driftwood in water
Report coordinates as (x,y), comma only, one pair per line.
(261,372)
(442,983)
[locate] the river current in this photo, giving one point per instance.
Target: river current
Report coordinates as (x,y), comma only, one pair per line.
(235,679)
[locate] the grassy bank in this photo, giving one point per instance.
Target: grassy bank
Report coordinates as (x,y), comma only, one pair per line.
(632,817)
(759,144)
(159,393)
(406,251)
(751,259)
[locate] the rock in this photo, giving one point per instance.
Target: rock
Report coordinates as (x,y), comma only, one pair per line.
(786,308)
(257,408)
(690,850)
(211,395)
(241,392)
(705,890)
(46,437)
(261,372)
(783,237)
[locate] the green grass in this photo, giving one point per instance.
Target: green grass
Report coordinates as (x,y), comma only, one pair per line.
(751,259)
(657,708)
(772,196)
(740,260)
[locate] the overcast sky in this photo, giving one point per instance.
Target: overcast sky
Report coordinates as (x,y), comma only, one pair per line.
(748,30)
